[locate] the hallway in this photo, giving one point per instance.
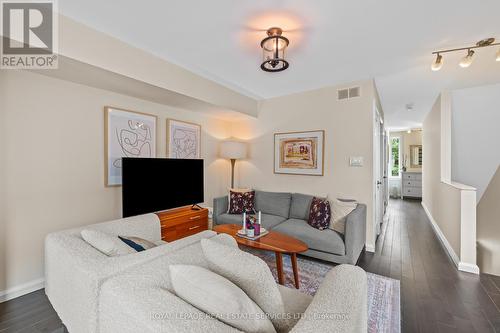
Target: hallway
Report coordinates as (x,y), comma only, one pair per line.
(435,296)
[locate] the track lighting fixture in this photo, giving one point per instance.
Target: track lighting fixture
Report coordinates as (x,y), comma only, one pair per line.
(467,60)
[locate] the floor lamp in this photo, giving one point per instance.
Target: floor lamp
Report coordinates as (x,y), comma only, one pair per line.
(233,150)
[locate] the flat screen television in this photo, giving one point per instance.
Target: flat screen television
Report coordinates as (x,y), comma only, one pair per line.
(156,184)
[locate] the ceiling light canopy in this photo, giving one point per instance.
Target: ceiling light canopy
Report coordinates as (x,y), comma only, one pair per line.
(467,60)
(273,51)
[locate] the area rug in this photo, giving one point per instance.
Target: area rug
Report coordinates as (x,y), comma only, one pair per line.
(383,292)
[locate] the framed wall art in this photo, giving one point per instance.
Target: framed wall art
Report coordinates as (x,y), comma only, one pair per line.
(299,153)
(183,139)
(127,134)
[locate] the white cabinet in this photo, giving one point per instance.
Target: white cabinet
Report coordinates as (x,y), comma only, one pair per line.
(412,184)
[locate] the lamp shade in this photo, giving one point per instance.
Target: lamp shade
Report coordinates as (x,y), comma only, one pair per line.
(233,150)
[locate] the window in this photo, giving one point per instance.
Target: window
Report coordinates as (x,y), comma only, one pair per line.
(395,157)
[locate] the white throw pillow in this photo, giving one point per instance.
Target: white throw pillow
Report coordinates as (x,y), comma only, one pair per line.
(248,272)
(340,210)
(219,297)
(225,239)
(106,243)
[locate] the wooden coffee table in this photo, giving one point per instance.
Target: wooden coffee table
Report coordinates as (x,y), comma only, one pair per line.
(274,241)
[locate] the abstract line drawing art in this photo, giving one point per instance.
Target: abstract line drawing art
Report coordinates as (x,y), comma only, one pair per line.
(128,134)
(183,139)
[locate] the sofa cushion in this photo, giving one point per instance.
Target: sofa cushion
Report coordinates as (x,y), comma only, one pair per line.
(268,221)
(143,296)
(274,203)
(319,214)
(300,206)
(219,297)
(248,272)
(343,294)
(296,303)
(321,240)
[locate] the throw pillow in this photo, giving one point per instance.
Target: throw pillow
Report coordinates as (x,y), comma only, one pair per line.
(250,273)
(319,213)
(225,239)
(241,201)
(137,243)
(108,244)
(219,297)
(340,210)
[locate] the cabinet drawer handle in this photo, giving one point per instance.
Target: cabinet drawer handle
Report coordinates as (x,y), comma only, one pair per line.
(195,217)
(195,227)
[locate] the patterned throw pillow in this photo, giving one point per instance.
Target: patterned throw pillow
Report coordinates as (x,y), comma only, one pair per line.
(241,201)
(319,213)
(137,243)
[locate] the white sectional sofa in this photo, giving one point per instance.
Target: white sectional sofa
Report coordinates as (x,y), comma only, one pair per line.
(92,292)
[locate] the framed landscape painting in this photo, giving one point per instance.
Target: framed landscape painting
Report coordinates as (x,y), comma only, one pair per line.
(299,153)
(183,139)
(127,134)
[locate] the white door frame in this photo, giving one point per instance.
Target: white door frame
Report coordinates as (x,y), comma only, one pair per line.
(378,172)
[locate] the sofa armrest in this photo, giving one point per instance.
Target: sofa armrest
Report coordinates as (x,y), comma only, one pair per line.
(340,304)
(220,207)
(355,233)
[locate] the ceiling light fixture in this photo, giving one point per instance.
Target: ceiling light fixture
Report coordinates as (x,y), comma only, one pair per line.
(467,60)
(273,51)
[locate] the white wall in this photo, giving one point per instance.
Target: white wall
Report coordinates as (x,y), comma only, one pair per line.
(475,142)
(488,228)
(52,163)
(348,132)
(451,207)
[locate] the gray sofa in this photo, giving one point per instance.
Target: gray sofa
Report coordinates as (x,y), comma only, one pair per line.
(288,213)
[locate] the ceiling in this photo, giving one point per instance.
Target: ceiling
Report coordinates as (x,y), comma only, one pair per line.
(331,42)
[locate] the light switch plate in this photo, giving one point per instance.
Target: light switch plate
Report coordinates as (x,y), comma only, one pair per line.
(356,161)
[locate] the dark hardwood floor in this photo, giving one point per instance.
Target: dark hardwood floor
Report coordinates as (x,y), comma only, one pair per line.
(30,313)
(435,297)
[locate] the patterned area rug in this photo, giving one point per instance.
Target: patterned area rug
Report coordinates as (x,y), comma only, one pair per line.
(383,292)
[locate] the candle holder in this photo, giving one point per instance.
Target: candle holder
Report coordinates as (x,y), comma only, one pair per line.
(256,228)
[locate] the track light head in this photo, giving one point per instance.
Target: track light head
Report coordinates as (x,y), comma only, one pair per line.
(467,60)
(438,63)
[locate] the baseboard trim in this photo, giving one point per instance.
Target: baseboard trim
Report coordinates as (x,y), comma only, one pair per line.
(21,289)
(470,268)
(441,236)
(369,248)
(461,266)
